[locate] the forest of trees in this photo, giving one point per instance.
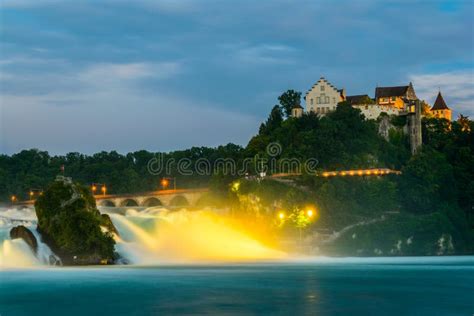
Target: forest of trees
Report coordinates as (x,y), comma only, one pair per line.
(440,176)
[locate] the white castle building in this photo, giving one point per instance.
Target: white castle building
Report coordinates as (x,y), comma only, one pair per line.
(323,97)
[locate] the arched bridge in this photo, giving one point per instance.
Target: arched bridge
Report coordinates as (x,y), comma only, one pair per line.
(165,198)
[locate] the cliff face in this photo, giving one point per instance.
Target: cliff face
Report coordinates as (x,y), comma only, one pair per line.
(70,224)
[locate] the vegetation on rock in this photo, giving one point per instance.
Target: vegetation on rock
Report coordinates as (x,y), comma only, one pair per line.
(71,224)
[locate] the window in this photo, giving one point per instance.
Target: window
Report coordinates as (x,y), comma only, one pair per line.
(394,98)
(327,100)
(323,98)
(318,100)
(322,88)
(311,101)
(333,100)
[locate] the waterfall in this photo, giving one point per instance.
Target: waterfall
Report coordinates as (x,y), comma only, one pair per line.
(16,253)
(156,235)
(146,237)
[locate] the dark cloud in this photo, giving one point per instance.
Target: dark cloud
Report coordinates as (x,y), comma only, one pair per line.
(117,60)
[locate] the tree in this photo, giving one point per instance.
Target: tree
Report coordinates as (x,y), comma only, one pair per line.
(273,122)
(288,100)
(427,182)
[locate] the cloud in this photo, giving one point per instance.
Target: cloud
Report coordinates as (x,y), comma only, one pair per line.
(130,71)
(171,6)
(457,89)
(105,107)
(264,54)
(132,64)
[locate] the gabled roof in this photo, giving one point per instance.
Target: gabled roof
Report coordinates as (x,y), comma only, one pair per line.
(439,103)
(322,79)
(383,92)
(399,91)
(357,99)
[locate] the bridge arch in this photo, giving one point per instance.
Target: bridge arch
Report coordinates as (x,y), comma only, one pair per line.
(107,203)
(129,203)
(152,201)
(179,201)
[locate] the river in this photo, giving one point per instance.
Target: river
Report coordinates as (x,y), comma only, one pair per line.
(265,283)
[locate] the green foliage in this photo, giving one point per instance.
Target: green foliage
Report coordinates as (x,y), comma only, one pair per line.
(427,181)
(273,122)
(70,222)
(288,100)
(405,234)
(121,173)
(341,139)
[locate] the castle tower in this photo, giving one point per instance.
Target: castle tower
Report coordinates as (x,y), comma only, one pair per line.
(414,125)
(297,111)
(440,109)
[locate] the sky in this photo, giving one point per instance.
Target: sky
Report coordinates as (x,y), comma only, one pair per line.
(165,75)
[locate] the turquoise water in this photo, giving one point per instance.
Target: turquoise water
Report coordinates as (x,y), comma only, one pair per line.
(392,286)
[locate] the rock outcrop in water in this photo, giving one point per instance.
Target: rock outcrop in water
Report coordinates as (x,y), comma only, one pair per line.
(25,234)
(70,224)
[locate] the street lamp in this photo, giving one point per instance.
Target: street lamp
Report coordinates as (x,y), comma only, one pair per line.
(34,191)
(165,182)
(13,199)
(95,185)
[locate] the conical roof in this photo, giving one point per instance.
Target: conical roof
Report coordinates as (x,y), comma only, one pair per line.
(439,103)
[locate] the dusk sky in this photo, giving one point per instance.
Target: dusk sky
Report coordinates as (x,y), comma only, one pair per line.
(163,75)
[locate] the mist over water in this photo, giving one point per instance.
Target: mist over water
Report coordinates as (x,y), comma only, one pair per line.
(146,237)
(16,253)
(157,235)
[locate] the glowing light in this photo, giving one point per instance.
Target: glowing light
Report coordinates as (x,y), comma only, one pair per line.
(343,173)
(187,237)
(94,188)
(310,213)
(281,215)
(165,183)
(235,186)
(13,198)
(351,173)
(360,172)
(325,174)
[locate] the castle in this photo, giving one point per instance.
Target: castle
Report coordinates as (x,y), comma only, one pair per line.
(323,98)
